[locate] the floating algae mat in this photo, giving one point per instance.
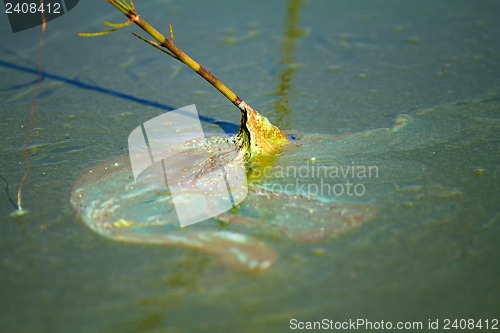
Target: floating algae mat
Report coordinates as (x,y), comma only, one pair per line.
(110,203)
(116,203)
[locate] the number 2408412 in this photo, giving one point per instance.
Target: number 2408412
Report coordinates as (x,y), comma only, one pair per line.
(32,8)
(464,324)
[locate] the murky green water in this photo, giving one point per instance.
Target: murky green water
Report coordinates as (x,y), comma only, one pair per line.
(339,69)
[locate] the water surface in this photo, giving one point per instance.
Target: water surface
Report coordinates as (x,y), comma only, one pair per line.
(338,69)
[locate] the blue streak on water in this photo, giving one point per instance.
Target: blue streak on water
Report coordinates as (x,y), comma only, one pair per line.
(227,127)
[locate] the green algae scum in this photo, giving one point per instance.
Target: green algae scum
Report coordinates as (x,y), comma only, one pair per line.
(109,201)
(382,204)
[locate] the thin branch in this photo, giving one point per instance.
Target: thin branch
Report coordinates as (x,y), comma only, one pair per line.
(257,136)
(155,45)
(117,26)
(129,11)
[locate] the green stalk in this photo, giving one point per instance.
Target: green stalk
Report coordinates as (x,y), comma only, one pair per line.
(257,136)
(130,12)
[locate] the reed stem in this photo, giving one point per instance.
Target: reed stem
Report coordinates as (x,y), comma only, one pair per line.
(130,12)
(257,136)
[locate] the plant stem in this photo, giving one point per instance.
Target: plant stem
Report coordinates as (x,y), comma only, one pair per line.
(130,12)
(257,136)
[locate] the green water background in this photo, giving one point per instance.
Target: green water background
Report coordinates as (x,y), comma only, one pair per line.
(350,67)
